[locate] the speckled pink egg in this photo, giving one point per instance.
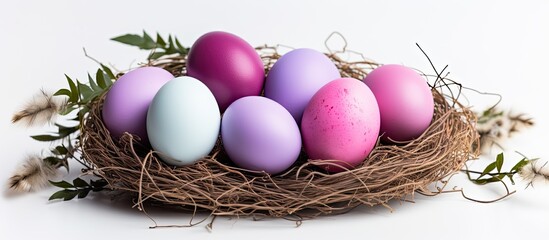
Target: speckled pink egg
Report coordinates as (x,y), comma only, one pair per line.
(405,101)
(127,102)
(341,122)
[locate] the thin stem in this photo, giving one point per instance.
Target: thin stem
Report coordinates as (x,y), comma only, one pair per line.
(489,174)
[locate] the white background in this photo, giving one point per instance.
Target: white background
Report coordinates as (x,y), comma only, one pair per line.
(501,48)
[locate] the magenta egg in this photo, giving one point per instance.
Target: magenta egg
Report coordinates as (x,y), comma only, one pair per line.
(341,124)
(405,101)
(228,65)
(260,135)
(297,76)
(127,102)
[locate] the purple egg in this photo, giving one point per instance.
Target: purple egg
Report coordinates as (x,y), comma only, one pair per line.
(127,102)
(297,76)
(260,135)
(228,65)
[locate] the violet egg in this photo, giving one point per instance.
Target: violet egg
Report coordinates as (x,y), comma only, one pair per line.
(405,101)
(341,124)
(127,102)
(297,76)
(228,65)
(260,135)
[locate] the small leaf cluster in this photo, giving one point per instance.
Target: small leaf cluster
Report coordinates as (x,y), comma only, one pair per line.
(79,96)
(489,114)
(160,47)
(78,188)
(60,155)
(493,171)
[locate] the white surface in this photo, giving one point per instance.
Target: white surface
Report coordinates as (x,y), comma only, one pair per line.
(499,48)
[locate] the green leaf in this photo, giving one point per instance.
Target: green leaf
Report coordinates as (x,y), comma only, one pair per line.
(160,41)
(68,110)
(485,181)
(129,39)
(182,50)
(501,176)
(109,74)
(73,98)
(488,169)
(70,194)
(148,42)
(60,150)
(83,193)
(157,55)
(98,185)
(171,46)
(520,165)
(58,195)
(499,162)
(86,93)
(80,183)
(94,86)
(46,138)
(62,184)
(66,131)
(63,92)
(52,160)
(100,78)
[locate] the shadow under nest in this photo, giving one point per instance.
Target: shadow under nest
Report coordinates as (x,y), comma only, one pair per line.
(216,186)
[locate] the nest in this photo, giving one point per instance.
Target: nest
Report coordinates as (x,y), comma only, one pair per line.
(305,191)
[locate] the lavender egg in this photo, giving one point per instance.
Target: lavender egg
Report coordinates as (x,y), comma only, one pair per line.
(127,102)
(228,65)
(260,135)
(296,77)
(405,101)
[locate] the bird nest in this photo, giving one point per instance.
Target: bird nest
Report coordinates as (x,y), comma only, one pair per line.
(215,185)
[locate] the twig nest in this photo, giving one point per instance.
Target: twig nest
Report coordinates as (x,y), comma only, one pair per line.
(215,185)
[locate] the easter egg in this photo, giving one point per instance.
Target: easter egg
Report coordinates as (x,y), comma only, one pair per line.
(260,135)
(228,65)
(297,76)
(405,101)
(127,102)
(183,121)
(341,123)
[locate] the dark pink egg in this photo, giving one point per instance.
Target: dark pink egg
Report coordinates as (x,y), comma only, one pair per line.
(228,65)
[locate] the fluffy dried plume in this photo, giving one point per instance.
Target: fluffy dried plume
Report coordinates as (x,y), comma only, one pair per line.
(42,109)
(32,175)
(535,172)
(495,126)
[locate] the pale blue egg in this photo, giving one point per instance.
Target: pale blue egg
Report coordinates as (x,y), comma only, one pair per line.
(183,121)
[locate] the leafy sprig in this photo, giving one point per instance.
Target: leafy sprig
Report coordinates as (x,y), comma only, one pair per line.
(493,172)
(159,47)
(79,96)
(79,188)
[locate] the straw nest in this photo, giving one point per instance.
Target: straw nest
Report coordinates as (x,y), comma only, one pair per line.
(216,186)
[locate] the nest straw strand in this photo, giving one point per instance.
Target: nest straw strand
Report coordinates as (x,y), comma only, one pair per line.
(216,186)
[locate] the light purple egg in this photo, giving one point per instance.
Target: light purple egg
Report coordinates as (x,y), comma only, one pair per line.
(260,135)
(127,102)
(405,101)
(297,76)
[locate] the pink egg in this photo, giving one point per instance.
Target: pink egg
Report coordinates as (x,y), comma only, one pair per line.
(405,101)
(341,122)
